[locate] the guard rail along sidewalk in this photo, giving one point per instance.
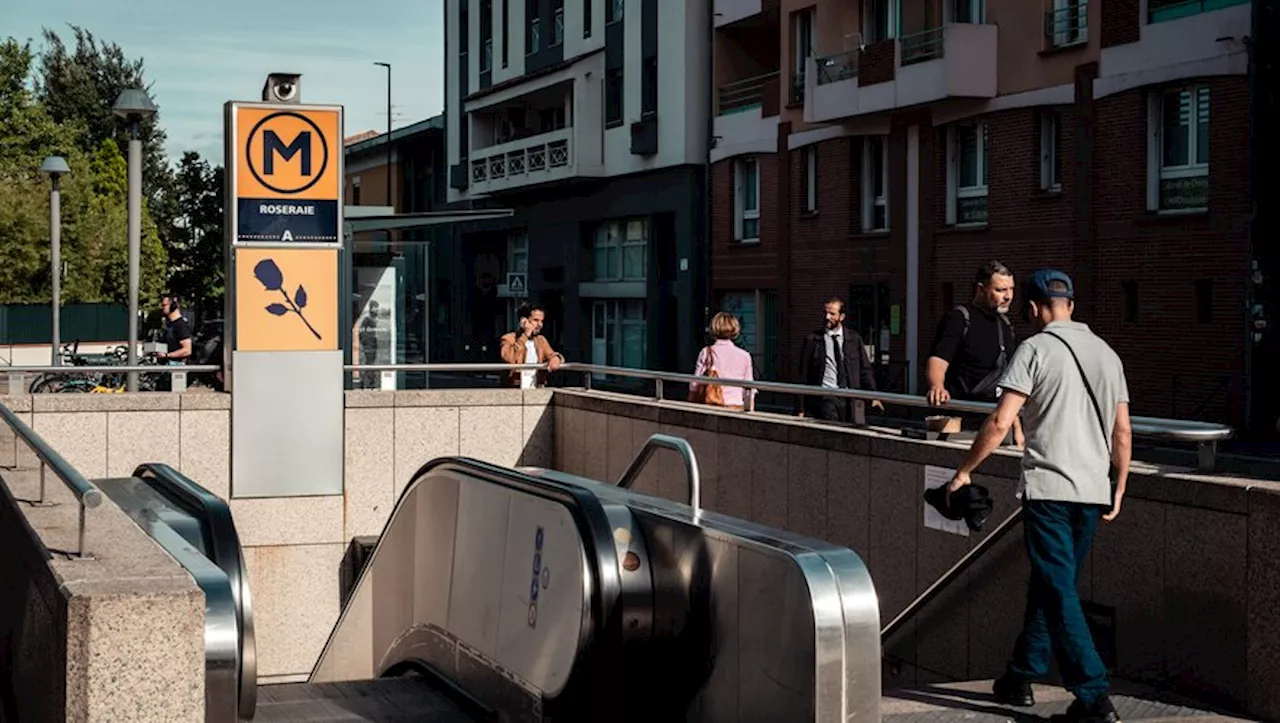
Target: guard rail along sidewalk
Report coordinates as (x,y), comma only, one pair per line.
(18,375)
(1205,435)
(86,494)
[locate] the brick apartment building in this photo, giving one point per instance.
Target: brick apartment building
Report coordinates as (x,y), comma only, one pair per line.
(880,150)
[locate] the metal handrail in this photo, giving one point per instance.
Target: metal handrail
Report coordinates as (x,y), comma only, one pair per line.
(681,447)
(1177,430)
(111,369)
(85,492)
(947,577)
(225,551)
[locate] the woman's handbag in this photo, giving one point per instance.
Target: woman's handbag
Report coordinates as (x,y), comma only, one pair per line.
(712,394)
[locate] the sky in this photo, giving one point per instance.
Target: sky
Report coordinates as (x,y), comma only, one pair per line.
(200,54)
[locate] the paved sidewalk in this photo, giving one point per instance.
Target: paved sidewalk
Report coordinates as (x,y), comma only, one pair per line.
(972,702)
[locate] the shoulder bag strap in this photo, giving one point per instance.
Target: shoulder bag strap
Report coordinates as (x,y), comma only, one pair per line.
(1097,409)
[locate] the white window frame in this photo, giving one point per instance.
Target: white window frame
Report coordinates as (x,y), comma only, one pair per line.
(954,190)
(1050,151)
(894,11)
(742,214)
(870,201)
(803,42)
(810,179)
(614,319)
(1156,170)
(1066,34)
(621,240)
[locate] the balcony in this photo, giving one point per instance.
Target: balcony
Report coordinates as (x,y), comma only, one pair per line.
(525,162)
(748,94)
(953,61)
(1209,43)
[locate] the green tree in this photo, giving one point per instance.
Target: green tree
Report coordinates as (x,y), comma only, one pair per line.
(94,202)
(196,247)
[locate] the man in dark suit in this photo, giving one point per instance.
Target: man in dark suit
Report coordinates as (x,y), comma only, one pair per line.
(834,357)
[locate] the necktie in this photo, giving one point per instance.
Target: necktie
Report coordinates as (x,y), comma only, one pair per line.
(842,373)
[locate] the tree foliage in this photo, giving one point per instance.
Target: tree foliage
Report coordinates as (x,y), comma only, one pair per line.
(60,103)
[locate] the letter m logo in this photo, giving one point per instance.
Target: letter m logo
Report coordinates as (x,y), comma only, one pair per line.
(271,145)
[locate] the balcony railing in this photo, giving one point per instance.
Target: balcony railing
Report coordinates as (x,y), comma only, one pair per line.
(834,68)
(1162,10)
(741,95)
(519,160)
(1067,25)
(919,47)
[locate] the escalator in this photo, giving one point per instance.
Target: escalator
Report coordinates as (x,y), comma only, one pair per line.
(530,595)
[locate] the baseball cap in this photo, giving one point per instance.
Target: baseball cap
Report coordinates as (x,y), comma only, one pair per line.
(1040,283)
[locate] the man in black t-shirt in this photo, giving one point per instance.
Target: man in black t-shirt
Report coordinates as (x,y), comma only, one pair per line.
(177,332)
(974,342)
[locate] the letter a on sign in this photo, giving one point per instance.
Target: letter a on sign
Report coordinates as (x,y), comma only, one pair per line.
(286,172)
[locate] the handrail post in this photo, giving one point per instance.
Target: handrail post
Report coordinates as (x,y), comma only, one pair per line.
(43,467)
(586,381)
(657,389)
(80,546)
(685,450)
(1207,456)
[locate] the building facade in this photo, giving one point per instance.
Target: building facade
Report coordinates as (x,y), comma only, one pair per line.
(879,151)
(589,119)
(398,280)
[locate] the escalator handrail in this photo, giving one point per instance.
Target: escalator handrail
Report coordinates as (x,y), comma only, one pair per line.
(594,529)
(223,545)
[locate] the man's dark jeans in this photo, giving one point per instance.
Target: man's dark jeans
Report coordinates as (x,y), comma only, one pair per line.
(1058,536)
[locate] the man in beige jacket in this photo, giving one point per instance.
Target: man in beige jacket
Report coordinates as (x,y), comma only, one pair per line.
(529,346)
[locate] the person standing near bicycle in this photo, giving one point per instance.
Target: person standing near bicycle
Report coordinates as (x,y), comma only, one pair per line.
(177,332)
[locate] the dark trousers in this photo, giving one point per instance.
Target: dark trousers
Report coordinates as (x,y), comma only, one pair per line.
(1058,536)
(835,409)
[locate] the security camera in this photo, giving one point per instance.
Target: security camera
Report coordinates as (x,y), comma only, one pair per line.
(283,88)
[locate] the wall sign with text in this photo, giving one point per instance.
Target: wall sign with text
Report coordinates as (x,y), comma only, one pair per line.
(286,166)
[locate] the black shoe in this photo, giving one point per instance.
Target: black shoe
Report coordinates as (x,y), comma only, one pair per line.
(1012,691)
(1102,711)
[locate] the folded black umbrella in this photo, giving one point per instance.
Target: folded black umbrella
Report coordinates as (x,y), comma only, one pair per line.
(971,503)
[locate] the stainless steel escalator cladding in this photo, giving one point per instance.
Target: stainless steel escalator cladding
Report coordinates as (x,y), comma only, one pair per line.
(504,585)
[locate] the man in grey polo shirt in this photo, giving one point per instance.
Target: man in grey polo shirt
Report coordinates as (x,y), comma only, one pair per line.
(1070,387)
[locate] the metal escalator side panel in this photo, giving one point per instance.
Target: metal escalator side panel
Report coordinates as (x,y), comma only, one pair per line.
(221,545)
(481,569)
(788,613)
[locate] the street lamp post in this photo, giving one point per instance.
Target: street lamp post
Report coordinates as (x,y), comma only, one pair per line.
(390,202)
(134,106)
(55,167)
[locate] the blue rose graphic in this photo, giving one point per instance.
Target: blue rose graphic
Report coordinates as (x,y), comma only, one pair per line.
(272,279)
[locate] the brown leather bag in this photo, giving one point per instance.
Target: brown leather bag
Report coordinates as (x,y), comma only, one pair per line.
(712,394)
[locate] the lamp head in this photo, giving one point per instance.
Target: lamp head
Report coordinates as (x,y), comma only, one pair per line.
(55,166)
(134,104)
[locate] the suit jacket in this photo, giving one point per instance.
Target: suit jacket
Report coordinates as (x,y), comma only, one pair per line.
(513,352)
(813,360)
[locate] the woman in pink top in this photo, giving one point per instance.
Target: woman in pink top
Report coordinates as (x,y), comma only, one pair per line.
(728,361)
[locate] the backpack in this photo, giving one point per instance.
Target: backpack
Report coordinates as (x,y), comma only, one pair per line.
(964,311)
(984,390)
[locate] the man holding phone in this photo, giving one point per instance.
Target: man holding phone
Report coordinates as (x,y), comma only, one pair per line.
(527,345)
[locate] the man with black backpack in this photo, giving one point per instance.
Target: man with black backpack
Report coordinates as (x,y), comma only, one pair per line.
(974,343)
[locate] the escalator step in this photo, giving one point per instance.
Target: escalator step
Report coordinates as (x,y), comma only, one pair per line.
(385,700)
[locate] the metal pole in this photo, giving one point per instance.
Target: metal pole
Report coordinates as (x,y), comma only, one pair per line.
(55,263)
(135,247)
(390,199)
